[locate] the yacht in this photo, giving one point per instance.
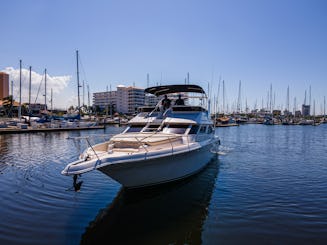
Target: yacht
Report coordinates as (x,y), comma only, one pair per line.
(159,144)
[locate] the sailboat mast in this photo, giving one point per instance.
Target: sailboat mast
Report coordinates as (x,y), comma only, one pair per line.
(147,80)
(310,97)
(20,90)
(77,71)
(288,99)
(83,93)
(294,106)
(110,102)
(270,98)
(88,96)
(223,96)
(45,89)
(107,106)
(51,101)
(239,98)
(29,91)
(324,108)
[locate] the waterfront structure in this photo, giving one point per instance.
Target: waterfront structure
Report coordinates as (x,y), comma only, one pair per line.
(297,114)
(135,99)
(36,108)
(105,99)
(125,99)
(305,110)
(4,85)
(151,100)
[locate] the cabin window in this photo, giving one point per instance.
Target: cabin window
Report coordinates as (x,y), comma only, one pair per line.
(135,128)
(151,128)
(203,129)
(194,129)
(175,129)
(210,130)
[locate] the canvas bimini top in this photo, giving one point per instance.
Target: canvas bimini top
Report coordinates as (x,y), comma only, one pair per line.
(170,89)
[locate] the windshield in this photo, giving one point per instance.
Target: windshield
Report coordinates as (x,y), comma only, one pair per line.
(135,128)
(175,129)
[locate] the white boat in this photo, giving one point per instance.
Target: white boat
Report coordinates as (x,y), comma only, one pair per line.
(157,146)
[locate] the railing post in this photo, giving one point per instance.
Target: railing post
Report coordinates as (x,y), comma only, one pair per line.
(92,148)
(172,147)
(146,150)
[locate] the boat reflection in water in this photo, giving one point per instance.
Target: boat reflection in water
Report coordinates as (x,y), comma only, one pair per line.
(169,214)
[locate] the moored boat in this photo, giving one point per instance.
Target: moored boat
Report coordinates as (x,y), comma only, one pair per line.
(161,144)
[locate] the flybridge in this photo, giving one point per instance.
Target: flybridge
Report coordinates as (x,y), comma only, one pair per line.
(170,89)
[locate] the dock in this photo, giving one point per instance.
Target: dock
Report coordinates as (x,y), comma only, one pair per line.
(16,130)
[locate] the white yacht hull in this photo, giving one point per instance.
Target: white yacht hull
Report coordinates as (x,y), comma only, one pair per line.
(159,170)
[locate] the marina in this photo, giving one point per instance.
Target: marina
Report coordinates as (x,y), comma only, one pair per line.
(163,122)
(266,186)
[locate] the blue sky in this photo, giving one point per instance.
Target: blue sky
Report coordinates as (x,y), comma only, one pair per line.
(260,42)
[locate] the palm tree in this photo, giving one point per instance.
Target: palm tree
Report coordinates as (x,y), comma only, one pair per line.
(8,105)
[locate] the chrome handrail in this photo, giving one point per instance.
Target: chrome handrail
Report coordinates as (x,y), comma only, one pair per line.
(155,108)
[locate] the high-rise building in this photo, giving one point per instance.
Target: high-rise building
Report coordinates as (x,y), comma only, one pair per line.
(151,100)
(129,99)
(4,85)
(124,100)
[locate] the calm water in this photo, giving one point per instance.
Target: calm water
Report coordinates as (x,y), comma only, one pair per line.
(268,186)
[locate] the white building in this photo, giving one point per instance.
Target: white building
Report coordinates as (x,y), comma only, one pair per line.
(105,99)
(125,100)
(151,100)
